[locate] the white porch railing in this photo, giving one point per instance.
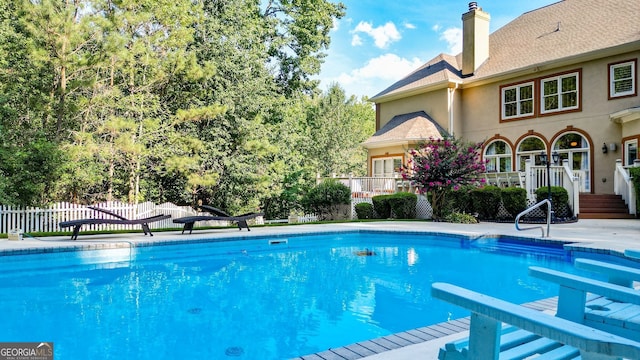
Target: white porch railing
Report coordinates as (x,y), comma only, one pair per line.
(622,185)
(366,187)
(560,175)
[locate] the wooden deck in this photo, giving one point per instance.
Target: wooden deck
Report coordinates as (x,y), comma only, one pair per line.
(379,345)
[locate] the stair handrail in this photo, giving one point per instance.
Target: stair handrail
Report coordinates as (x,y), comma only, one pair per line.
(549,211)
(571,182)
(623,186)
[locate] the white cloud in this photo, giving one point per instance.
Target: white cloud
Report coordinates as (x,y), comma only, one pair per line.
(375,75)
(453,37)
(436,28)
(382,35)
(409,26)
(388,67)
(356,40)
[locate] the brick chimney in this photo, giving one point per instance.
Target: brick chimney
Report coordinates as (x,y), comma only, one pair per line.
(475,38)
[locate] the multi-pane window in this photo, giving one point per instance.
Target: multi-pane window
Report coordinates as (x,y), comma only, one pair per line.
(575,148)
(560,93)
(517,100)
(622,79)
(498,156)
(387,167)
(530,148)
(630,152)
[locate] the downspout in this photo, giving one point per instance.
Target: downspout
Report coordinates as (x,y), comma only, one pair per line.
(450,96)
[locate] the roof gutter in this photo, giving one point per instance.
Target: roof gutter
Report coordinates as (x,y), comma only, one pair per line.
(415,91)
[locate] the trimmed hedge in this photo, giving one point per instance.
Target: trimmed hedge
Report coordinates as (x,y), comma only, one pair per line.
(364,211)
(460,200)
(381,206)
(486,201)
(559,196)
(514,200)
(402,205)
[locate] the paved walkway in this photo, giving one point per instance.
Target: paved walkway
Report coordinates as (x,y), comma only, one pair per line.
(603,236)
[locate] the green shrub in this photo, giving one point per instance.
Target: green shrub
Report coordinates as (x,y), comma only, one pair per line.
(634,172)
(326,199)
(514,200)
(364,211)
(559,196)
(486,202)
(381,206)
(460,218)
(460,200)
(403,205)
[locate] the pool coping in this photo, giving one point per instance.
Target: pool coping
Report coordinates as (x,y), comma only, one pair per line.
(88,245)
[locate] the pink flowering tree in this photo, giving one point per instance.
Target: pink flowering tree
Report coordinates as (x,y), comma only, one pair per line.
(441,165)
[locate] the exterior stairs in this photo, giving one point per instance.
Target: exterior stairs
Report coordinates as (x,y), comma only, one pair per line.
(603,206)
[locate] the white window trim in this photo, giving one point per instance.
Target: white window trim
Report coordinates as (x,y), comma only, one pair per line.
(394,172)
(558,79)
(508,155)
(518,100)
(627,159)
(612,88)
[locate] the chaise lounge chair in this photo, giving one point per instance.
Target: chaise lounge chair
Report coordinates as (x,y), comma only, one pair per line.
(120,220)
(603,305)
(532,333)
(218,214)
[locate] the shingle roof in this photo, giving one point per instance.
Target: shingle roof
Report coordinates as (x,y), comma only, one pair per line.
(442,68)
(414,126)
(560,31)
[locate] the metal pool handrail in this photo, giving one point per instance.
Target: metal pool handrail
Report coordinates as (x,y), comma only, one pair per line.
(549,211)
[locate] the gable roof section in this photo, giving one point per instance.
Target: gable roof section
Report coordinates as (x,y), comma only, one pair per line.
(440,70)
(565,32)
(415,126)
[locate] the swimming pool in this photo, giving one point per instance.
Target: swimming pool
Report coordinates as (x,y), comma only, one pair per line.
(263,298)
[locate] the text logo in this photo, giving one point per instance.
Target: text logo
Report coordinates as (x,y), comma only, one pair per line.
(26,351)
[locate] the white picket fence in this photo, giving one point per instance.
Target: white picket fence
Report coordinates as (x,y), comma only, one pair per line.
(47,219)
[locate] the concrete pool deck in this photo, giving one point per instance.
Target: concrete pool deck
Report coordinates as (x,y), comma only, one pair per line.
(601,236)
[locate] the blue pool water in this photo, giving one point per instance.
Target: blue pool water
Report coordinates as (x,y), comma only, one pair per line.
(251,299)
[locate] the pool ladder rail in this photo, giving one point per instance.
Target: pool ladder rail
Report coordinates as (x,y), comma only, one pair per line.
(549,212)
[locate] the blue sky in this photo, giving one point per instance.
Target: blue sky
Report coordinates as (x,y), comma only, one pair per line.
(379,42)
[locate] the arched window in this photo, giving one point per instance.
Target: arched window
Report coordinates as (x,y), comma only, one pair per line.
(498,154)
(530,148)
(575,148)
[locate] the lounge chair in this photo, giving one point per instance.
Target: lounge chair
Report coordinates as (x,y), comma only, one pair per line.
(537,333)
(120,220)
(599,304)
(616,274)
(219,215)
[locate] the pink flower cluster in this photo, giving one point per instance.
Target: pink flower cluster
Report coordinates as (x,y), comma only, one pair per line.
(441,164)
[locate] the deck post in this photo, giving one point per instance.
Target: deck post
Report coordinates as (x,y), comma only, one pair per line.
(530,180)
(484,338)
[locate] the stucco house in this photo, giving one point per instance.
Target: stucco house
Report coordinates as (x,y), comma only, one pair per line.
(559,79)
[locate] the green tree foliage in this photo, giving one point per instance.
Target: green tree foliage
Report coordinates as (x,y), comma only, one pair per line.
(298,32)
(172,100)
(335,120)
